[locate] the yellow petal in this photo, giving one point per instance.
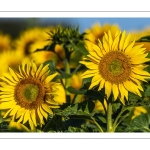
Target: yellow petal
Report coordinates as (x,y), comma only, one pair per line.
(108,87)
(43,113)
(21,118)
(127,41)
(45,76)
(139,77)
(31,124)
(40,115)
(7,105)
(14,111)
(39,70)
(20,112)
(115,43)
(47,109)
(89,65)
(129,48)
(94,83)
(123,91)
(106,44)
(115,91)
(97,50)
(33,117)
(26,116)
(7,113)
(110,40)
(50,77)
(121,44)
(43,71)
(94,54)
(13,74)
(101,85)
(33,68)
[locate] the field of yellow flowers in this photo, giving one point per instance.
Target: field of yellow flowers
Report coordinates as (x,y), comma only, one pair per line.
(56,79)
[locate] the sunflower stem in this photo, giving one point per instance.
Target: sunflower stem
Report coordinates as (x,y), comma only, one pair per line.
(109,118)
(118,117)
(67,80)
(99,127)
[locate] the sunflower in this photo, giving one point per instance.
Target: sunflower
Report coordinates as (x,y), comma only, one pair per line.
(116,65)
(9,58)
(29,95)
(30,40)
(5,42)
(139,34)
(138,111)
(37,38)
(97,32)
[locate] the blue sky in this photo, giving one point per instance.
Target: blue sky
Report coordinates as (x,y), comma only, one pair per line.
(84,23)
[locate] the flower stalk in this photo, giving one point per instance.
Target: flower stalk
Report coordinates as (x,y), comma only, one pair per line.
(109,117)
(67,80)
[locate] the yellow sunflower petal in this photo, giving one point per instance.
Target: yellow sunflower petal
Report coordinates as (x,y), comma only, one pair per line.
(43,113)
(47,109)
(13,74)
(33,117)
(121,44)
(43,71)
(6,105)
(115,91)
(101,84)
(38,70)
(108,87)
(26,116)
(50,77)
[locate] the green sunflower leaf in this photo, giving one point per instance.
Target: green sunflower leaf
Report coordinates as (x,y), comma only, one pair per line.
(50,47)
(79,110)
(52,66)
(147,92)
(144,39)
(80,47)
(140,124)
(75,91)
(65,75)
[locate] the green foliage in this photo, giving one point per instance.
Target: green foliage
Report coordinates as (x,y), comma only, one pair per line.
(140,123)
(75,91)
(69,38)
(144,39)
(135,100)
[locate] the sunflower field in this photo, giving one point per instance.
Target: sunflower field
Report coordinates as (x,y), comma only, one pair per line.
(57,79)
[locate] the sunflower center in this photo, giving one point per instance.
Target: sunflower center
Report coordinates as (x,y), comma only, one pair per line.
(29,93)
(115,67)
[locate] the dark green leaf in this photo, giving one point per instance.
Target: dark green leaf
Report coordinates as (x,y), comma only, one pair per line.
(65,75)
(83,110)
(80,47)
(102,119)
(52,66)
(147,92)
(140,124)
(144,39)
(75,91)
(50,47)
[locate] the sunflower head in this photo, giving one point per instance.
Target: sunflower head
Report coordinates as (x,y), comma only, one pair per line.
(116,64)
(5,42)
(97,31)
(30,94)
